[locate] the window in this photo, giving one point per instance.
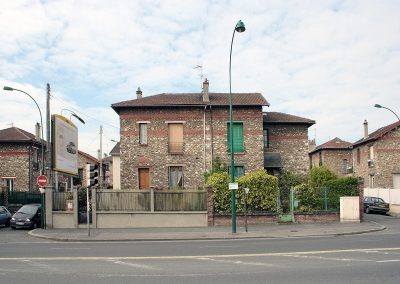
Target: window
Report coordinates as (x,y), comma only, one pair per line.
(239,171)
(396,180)
(371,181)
(175,138)
(144,178)
(320,158)
(238,146)
(9,183)
(143,133)
(266,138)
(344,166)
(35,159)
(175,177)
(370,152)
(358,156)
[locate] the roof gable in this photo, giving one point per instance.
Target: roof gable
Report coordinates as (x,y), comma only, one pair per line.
(334,144)
(193,99)
(283,118)
(378,134)
(15,134)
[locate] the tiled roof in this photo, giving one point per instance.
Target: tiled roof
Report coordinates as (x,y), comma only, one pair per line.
(115,150)
(281,118)
(378,133)
(15,134)
(194,99)
(334,144)
(89,157)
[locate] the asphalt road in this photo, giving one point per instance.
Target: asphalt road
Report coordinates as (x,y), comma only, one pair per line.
(367,258)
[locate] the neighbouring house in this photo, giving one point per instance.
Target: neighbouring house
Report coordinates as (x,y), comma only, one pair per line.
(106,163)
(335,154)
(20,158)
(171,140)
(116,166)
(286,142)
(376,157)
(20,162)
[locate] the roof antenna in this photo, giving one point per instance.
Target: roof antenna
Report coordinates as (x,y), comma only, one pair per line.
(200,68)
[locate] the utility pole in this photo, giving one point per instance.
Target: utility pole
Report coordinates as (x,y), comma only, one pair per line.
(48,144)
(101,157)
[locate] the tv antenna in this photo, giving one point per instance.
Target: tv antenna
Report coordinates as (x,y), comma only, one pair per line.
(200,68)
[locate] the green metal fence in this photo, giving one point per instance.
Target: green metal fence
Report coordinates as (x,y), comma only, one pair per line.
(22,197)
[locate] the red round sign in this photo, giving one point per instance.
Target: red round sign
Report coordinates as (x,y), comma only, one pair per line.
(41,180)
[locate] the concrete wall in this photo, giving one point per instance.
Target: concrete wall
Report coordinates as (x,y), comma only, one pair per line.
(390,195)
(116,172)
(145,219)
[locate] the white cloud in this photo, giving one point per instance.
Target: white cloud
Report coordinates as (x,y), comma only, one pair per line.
(326,60)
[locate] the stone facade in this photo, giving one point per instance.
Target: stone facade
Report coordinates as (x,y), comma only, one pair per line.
(378,160)
(338,161)
(17,163)
(291,141)
(204,136)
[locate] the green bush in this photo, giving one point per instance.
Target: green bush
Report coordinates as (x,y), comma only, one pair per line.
(308,198)
(261,197)
(320,175)
(345,186)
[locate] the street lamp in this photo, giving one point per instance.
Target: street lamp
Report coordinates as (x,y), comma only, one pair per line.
(73,114)
(379,106)
(41,121)
(238,28)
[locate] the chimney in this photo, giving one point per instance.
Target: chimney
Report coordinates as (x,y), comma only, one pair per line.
(206,97)
(138,93)
(365,129)
(37,131)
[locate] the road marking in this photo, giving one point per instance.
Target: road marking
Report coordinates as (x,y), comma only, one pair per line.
(390,260)
(237,262)
(71,248)
(195,256)
(327,258)
(134,265)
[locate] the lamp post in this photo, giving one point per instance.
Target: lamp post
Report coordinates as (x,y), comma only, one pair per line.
(238,28)
(41,121)
(74,115)
(379,106)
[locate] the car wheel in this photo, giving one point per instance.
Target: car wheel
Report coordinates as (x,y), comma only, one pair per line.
(7,223)
(34,226)
(13,228)
(367,210)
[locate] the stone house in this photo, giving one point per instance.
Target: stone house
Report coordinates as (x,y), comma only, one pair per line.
(335,154)
(20,162)
(171,140)
(376,157)
(20,159)
(286,142)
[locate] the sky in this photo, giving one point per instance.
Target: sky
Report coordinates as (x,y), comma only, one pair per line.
(329,61)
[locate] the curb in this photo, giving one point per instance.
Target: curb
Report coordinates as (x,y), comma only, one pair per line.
(241,236)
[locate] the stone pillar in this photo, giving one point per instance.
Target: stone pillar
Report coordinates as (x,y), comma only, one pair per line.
(49,207)
(94,208)
(151,199)
(210,207)
(361,197)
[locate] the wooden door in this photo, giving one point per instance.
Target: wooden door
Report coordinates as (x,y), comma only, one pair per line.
(144,178)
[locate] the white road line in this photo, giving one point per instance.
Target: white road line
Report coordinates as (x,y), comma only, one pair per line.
(195,256)
(390,260)
(237,262)
(328,258)
(134,265)
(71,248)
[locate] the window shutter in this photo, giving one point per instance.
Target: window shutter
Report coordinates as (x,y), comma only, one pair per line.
(237,138)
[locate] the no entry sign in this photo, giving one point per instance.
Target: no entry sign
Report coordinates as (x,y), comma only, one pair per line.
(41,180)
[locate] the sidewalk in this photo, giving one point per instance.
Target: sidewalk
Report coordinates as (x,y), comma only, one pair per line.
(202,233)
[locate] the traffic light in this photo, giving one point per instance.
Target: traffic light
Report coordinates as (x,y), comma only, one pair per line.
(92,177)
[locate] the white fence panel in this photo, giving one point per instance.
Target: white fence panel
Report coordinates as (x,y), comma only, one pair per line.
(390,195)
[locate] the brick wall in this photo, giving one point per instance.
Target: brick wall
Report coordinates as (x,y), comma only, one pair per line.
(333,160)
(291,141)
(16,161)
(200,131)
(386,160)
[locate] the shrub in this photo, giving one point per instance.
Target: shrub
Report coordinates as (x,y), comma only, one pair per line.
(319,176)
(308,198)
(345,186)
(261,197)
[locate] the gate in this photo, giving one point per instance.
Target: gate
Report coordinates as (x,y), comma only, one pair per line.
(82,206)
(285,205)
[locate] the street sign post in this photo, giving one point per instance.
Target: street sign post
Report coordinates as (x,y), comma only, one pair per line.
(42,180)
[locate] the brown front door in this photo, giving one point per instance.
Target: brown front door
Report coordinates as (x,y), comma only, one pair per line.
(144,178)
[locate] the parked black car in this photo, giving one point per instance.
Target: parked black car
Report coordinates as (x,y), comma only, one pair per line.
(375,204)
(5,216)
(27,217)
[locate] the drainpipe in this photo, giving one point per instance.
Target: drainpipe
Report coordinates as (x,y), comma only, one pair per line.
(204,137)
(30,169)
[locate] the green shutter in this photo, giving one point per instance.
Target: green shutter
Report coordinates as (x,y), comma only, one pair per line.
(237,138)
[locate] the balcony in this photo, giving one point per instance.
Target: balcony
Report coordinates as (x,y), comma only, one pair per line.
(175,147)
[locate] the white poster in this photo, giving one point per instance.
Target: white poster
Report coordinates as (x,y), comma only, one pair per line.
(65,141)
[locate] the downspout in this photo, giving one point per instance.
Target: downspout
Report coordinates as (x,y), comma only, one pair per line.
(204,137)
(212,135)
